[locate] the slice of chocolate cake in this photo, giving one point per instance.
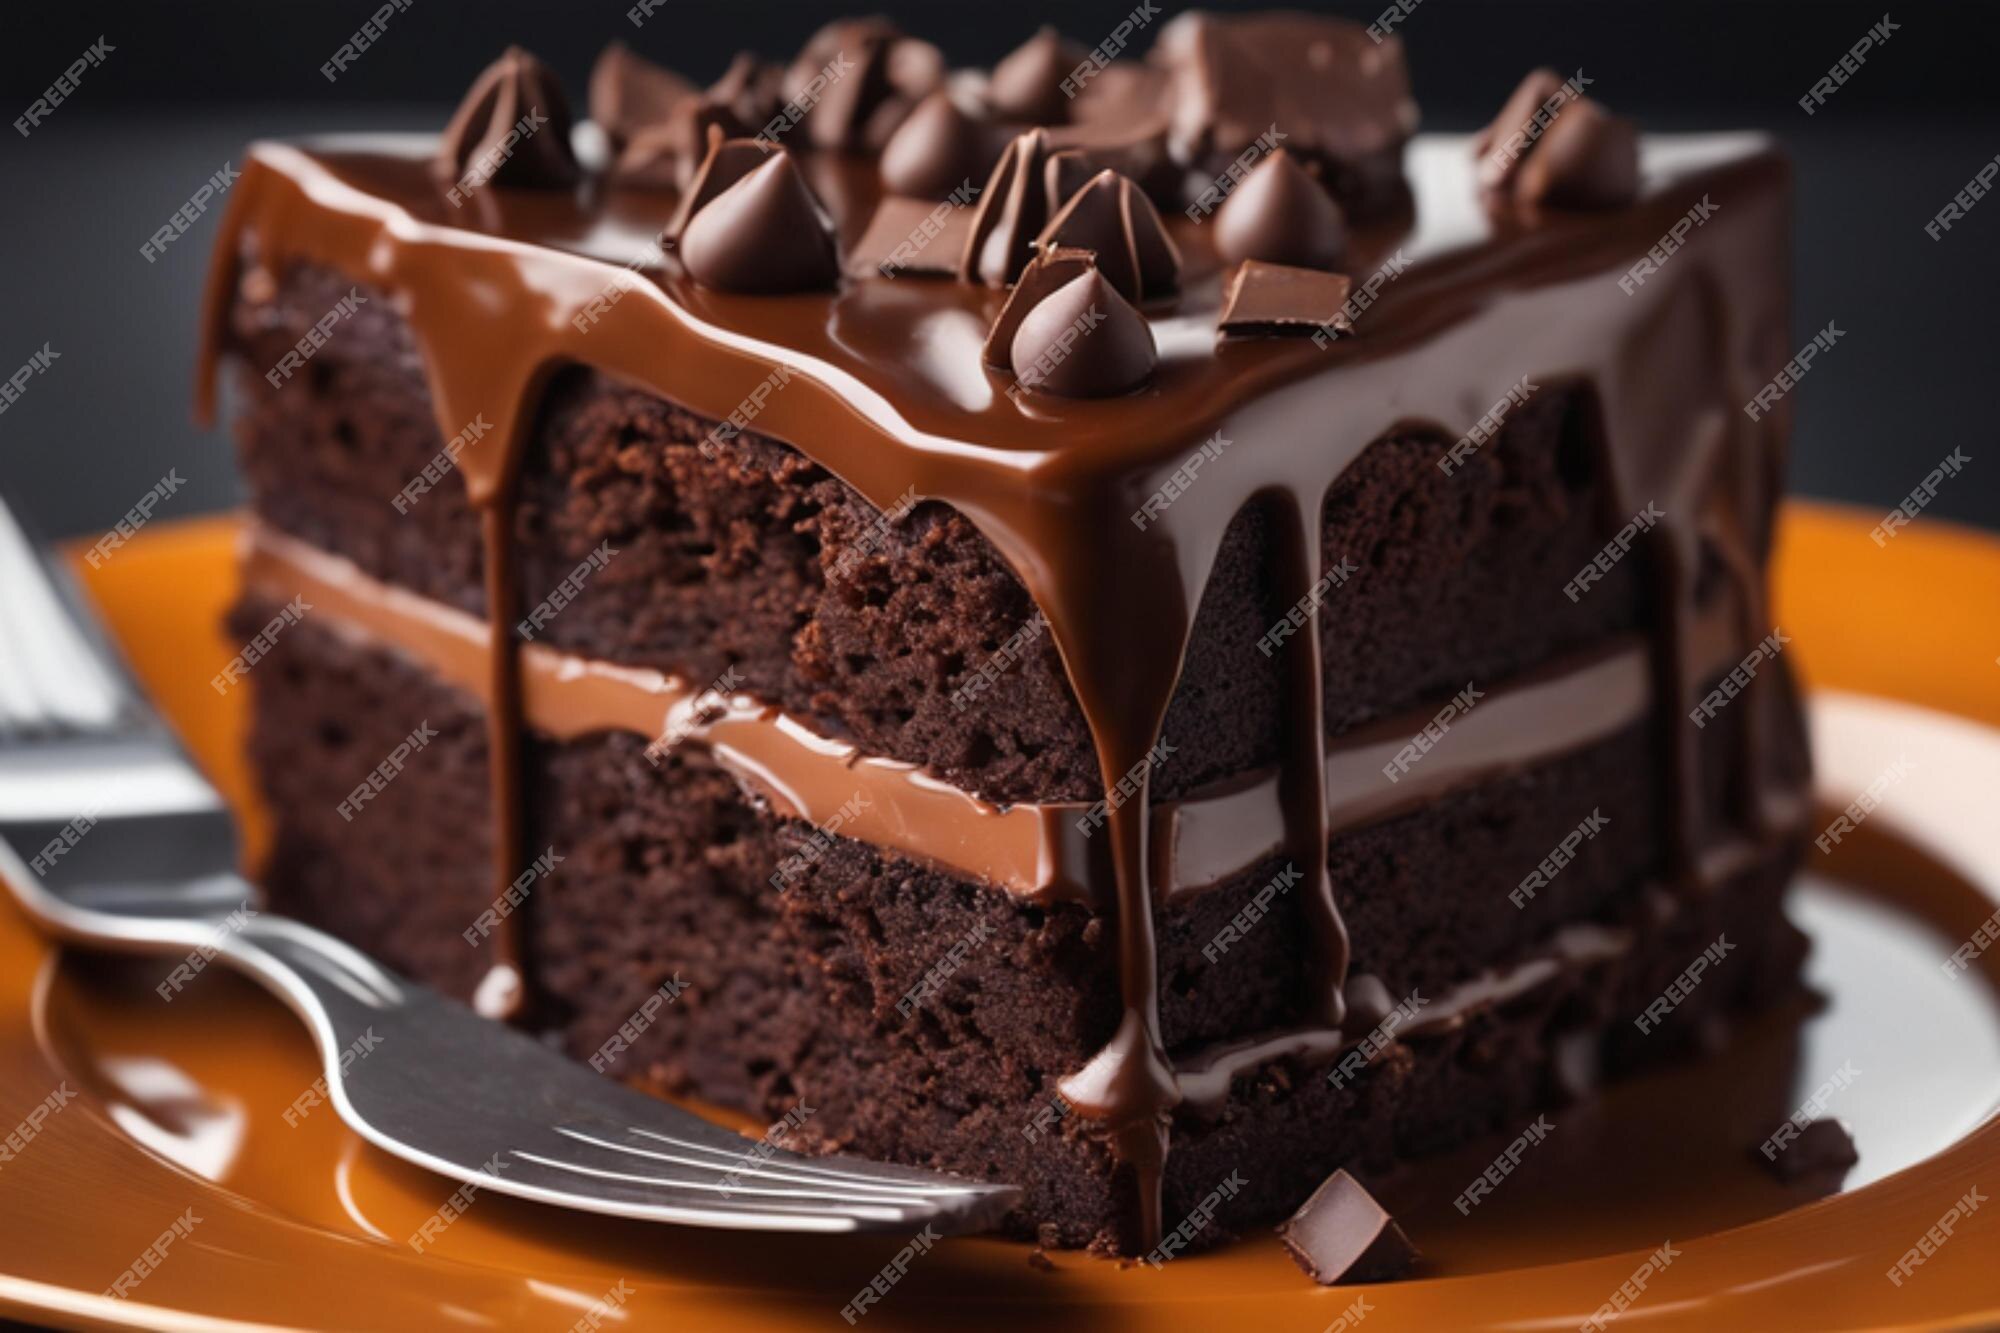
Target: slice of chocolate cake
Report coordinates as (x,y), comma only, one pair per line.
(1229,647)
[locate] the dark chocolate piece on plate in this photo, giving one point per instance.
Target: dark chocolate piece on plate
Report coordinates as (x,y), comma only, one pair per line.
(939,149)
(1084,340)
(512,130)
(1027,85)
(913,236)
(1047,271)
(1822,1151)
(1113,217)
(630,94)
(1342,1235)
(1280,214)
(764,235)
(1277,300)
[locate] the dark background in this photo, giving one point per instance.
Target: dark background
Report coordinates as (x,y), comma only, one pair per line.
(188,84)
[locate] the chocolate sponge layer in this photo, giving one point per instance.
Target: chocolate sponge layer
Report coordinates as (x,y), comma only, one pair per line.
(760,560)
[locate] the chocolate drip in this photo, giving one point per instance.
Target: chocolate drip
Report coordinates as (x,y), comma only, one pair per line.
(1053,482)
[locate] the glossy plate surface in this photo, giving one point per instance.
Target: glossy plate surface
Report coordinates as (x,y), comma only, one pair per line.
(182,1107)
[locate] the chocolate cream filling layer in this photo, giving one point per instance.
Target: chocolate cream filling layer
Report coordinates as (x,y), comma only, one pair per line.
(1038,851)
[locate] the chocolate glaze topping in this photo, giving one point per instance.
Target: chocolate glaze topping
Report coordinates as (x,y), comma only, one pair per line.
(1477,304)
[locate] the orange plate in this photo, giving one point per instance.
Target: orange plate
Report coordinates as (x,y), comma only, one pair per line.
(178,1108)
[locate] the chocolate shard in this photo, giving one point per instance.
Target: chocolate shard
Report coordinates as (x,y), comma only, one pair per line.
(1339,99)
(630,94)
(763,235)
(855,81)
(512,130)
(1281,215)
(1822,1152)
(1262,300)
(1587,159)
(751,88)
(1027,85)
(1083,340)
(1342,1235)
(912,236)
(1553,145)
(723,163)
(1113,217)
(1048,270)
(938,148)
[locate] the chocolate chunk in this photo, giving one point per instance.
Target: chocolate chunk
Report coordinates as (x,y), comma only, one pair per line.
(1588,158)
(1065,173)
(1338,97)
(1027,84)
(1083,340)
(856,80)
(1113,217)
(1552,145)
(1341,1234)
(1822,1152)
(938,148)
(630,94)
(1281,215)
(1276,301)
(725,162)
(751,88)
(512,130)
(912,236)
(1048,270)
(764,235)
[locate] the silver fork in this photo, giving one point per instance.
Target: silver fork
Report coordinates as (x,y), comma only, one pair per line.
(110,837)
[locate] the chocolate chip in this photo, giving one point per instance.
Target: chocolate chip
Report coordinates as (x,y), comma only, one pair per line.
(1112,216)
(752,89)
(1048,270)
(723,163)
(1083,340)
(1281,215)
(938,148)
(1027,85)
(1822,1152)
(1342,1235)
(855,81)
(670,154)
(1276,301)
(1013,209)
(512,130)
(763,235)
(1587,159)
(1552,145)
(629,94)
